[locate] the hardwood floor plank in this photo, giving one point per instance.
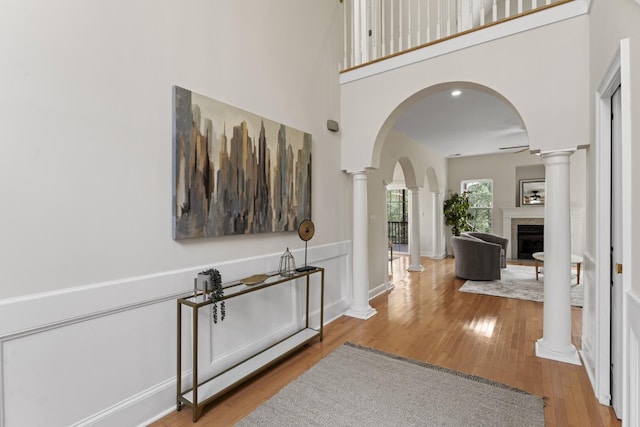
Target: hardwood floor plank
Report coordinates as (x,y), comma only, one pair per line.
(425,318)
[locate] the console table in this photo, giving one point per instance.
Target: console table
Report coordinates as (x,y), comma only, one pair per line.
(203,393)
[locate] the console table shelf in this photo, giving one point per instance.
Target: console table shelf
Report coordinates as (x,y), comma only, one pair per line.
(217,385)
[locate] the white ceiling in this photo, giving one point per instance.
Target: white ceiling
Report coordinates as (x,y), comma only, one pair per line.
(473,123)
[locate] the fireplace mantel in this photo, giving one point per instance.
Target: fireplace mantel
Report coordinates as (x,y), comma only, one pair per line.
(535,214)
(524,213)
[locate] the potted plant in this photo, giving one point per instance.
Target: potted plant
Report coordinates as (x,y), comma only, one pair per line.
(456,213)
(217,292)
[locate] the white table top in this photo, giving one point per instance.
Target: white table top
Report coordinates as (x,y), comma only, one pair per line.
(575,259)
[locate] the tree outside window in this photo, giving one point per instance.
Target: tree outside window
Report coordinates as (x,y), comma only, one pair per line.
(480,193)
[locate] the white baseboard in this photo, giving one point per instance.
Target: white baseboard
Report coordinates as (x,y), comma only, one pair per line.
(379,290)
(122,412)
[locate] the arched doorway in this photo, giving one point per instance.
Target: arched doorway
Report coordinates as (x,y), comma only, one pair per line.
(479,117)
(393,145)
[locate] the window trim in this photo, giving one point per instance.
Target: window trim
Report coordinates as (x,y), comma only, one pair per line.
(463,189)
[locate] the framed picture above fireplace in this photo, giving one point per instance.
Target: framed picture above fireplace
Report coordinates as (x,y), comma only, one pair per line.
(532,192)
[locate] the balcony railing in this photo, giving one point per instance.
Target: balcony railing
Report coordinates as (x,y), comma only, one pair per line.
(378,29)
(398,232)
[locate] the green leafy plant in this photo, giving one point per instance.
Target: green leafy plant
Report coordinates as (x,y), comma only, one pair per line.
(457,214)
(217,293)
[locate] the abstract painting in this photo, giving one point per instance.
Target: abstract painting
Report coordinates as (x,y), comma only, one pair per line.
(235,172)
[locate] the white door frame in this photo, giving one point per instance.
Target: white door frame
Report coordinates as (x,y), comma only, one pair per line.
(617,254)
(616,74)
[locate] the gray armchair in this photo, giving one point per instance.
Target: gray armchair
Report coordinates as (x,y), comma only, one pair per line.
(476,259)
(492,238)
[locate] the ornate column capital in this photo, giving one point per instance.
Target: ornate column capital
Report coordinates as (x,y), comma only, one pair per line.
(358,172)
(555,157)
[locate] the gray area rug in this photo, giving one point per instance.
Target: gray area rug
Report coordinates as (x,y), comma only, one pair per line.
(519,281)
(358,386)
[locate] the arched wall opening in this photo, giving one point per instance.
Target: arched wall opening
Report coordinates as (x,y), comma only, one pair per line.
(390,123)
(423,169)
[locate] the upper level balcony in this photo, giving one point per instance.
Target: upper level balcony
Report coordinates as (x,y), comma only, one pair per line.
(378,30)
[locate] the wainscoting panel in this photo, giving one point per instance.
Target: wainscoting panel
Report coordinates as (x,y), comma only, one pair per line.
(105,354)
(633,315)
(589,319)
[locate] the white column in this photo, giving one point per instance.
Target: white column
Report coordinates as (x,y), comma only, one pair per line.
(555,343)
(360,307)
(388,265)
(437,226)
(414,230)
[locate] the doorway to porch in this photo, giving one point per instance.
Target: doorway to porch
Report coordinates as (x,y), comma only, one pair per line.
(398,220)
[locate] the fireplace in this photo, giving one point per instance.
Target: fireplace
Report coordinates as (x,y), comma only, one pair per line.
(530,240)
(530,215)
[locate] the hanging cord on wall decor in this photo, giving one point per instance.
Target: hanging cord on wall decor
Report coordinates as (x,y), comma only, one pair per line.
(217,294)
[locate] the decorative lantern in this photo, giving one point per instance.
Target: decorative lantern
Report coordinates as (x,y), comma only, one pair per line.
(287,264)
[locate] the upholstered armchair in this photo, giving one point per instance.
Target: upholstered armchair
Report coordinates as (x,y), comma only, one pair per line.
(476,259)
(492,238)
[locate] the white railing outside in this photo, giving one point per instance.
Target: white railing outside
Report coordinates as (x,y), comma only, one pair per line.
(375,29)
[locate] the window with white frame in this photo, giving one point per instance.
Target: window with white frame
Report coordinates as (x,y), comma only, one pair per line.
(480,194)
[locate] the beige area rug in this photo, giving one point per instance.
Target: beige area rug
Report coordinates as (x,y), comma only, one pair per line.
(519,281)
(359,386)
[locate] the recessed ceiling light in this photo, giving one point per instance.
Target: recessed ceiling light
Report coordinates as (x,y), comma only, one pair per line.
(456,92)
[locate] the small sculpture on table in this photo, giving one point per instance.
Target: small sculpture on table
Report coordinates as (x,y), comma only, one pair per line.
(306,231)
(287,264)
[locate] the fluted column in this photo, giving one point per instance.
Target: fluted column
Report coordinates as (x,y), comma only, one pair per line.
(360,307)
(437,226)
(555,343)
(414,231)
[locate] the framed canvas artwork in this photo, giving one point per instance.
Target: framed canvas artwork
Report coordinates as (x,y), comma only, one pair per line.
(235,172)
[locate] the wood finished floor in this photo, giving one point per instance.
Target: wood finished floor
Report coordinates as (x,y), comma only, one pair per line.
(425,318)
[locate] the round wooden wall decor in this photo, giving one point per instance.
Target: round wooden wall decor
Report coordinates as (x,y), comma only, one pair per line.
(306,230)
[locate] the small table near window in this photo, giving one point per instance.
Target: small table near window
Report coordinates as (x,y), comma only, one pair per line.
(575,259)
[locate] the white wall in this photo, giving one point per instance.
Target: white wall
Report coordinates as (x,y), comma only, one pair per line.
(89,269)
(610,22)
(86,122)
(501,168)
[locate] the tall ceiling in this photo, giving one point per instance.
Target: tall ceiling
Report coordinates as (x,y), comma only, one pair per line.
(473,123)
